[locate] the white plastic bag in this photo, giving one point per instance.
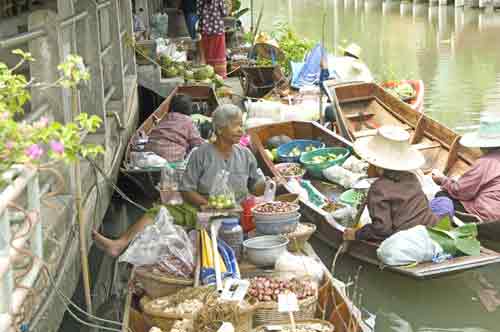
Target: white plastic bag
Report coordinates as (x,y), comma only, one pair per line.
(163,244)
(409,246)
(300,266)
(355,165)
(341,176)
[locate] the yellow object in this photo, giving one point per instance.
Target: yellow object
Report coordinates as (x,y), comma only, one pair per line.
(207,257)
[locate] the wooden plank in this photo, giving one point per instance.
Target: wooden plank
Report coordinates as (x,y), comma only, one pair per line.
(419,132)
(427,146)
(452,155)
(373,132)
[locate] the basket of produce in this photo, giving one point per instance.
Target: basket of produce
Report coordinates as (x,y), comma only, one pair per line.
(316,161)
(275,210)
(266,290)
(291,151)
(290,170)
(163,312)
(300,236)
(279,226)
(311,325)
(402,90)
(352,197)
(290,198)
(157,284)
(264,250)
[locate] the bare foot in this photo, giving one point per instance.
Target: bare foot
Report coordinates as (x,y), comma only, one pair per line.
(111,247)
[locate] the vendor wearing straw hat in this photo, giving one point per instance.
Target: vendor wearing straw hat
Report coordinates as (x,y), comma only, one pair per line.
(478,190)
(395,200)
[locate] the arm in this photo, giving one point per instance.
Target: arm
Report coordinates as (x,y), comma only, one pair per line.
(380,213)
(467,187)
(256,180)
(194,138)
(194,198)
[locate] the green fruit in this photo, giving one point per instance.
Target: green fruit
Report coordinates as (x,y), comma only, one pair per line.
(188,75)
(170,72)
(219,206)
(275,154)
(269,154)
(218,81)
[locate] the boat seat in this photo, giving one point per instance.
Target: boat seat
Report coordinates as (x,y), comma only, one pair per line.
(373,132)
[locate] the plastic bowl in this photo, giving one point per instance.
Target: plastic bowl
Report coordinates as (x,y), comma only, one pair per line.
(259,216)
(316,170)
(348,197)
(264,250)
(282,166)
(301,144)
(276,227)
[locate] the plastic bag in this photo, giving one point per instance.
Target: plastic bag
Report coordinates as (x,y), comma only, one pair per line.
(299,266)
(221,195)
(355,165)
(345,216)
(264,109)
(342,176)
(409,246)
(163,244)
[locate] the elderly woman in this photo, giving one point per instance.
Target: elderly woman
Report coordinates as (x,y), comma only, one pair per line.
(395,200)
(199,177)
(478,190)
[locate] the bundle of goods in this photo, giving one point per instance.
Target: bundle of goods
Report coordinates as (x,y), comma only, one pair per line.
(192,74)
(312,325)
(221,196)
(267,289)
(300,236)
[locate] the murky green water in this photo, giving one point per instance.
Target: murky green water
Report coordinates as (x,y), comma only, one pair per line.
(457,54)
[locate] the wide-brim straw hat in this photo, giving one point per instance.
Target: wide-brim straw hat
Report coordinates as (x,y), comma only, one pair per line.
(488,135)
(352,49)
(390,149)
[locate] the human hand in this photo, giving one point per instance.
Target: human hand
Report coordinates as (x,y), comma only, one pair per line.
(437,177)
(349,234)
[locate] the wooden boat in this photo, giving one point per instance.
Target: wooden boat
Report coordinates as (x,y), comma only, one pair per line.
(199,93)
(417,102)
(440,149)
(333,303)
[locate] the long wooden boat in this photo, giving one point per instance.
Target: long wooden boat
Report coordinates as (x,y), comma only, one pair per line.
(333,303)
(417,102)
(327,228)
(199,94)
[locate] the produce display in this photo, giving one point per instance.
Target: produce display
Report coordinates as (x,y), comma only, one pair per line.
(221,202)
(291,170)
(296,152)
(323,159)
(300,230)
(188,306)
(276,207)
(267,289)
(404,91)
(192,75)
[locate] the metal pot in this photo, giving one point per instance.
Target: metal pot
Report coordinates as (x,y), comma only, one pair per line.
(264,250)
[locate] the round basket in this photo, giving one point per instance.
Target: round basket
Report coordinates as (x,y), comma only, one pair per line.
(242,319)
(326,326)
(290,198)
(267,312)
(158,285)
(282,166)
(299,239)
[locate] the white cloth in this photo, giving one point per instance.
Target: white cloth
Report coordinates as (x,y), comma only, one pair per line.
(349,69)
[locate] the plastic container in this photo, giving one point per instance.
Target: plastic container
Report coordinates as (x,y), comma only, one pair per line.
(277,227)
(232,233)
(301,144)
(316,170)
(247,221)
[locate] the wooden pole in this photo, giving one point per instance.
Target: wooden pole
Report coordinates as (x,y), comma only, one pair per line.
(81,219)
(323,51)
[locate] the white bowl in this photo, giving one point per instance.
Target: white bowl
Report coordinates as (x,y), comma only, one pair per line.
(265,250)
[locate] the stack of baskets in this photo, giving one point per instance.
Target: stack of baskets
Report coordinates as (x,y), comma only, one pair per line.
(158,285)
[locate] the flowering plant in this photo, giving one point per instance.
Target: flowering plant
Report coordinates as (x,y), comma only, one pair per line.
(43,140)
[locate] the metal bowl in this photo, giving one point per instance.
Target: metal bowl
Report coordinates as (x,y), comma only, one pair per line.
(276,227)
(259,216)
(264,250)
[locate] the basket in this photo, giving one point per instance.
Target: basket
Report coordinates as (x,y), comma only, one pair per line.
(243,321)
(290,198)
(267,312)
(298,240)
(316,170)
(301,144)
(280,167)
(309,322)
(158,285)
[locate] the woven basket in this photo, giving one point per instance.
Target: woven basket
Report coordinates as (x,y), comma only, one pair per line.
(267,312)
(158,285)
(290,198)
(244,321)
(302,322)
(298,241)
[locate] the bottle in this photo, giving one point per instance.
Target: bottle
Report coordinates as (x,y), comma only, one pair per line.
(232,233)
(247,221)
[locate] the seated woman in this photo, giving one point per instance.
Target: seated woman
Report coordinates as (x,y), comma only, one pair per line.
(176,133)
(395,200)
(478,190)
(203,165)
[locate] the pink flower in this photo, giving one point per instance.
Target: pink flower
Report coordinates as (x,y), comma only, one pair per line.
(42,123)
(4,115)
(34,151)
(9,145)
(57,146)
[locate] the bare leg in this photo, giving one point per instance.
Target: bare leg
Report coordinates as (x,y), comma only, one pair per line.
(115,247)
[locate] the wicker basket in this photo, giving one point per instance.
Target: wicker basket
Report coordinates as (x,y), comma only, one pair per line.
(290,198)
(267,312)
(323,323)
(244,321)
(158,285)
(297,241)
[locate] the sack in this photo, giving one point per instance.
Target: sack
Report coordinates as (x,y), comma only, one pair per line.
(355,165)
(221,195)
(163,244)
(409,246)
(299,266)
(341,176)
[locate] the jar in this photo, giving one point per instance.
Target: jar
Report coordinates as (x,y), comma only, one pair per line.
(232,233)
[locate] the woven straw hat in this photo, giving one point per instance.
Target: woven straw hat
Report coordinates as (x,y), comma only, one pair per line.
(352,49)
(488,135)
(390,149)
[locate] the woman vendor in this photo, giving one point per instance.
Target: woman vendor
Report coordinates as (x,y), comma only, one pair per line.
(176,133)
(202,167)
(213,39)
(395,200)
(477,191)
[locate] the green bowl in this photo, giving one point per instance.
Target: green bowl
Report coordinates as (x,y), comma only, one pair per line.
(349,197)
(316,170)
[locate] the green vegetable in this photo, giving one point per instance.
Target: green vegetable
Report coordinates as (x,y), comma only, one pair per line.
(456,241)
(403,91)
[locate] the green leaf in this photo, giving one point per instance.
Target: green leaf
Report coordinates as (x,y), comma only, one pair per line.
(444,224)
(446,242)
(470,247)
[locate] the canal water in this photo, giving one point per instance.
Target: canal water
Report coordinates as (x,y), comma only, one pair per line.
(456,52)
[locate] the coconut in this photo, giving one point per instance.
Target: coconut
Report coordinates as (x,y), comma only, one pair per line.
(188,75)
(218,81)
(210,71)
(170,72)
(201,73)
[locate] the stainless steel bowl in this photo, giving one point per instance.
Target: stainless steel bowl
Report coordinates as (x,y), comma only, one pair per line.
(263,251)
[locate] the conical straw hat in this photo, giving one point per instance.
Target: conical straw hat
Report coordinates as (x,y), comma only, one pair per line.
(390,149)
(488,135)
